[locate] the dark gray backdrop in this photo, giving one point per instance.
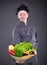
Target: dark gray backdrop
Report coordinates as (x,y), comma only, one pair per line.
(8,20)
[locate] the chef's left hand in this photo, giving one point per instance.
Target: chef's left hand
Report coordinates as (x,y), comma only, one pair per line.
(35,52)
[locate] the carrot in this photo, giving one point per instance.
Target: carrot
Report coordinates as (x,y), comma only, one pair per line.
(28,56)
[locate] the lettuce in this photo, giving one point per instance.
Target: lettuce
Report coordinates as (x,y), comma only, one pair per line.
(21,47)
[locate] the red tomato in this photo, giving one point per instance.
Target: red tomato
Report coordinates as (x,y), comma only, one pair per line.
(11,52)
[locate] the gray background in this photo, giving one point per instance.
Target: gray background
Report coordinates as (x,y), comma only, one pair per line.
(8,20)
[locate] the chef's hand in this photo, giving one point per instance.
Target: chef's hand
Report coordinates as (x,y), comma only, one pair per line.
(19,62)
(35,52)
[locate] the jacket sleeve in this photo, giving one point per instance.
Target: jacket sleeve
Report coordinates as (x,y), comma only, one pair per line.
(15,36)
(34,40)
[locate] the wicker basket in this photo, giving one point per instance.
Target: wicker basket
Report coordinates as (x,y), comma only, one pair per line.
(23,58)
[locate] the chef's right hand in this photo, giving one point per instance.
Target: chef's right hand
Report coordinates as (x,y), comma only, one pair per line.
(19,62)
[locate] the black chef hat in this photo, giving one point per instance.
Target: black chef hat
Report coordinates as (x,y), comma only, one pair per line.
(22,7)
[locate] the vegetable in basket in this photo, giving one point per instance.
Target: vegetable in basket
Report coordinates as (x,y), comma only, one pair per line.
(22,47)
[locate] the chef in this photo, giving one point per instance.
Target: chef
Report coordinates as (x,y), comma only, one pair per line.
(25,32)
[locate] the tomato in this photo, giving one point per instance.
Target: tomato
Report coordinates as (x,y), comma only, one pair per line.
(11,52)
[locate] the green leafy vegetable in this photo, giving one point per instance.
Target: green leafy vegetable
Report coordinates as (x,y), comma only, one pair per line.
(22,47)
